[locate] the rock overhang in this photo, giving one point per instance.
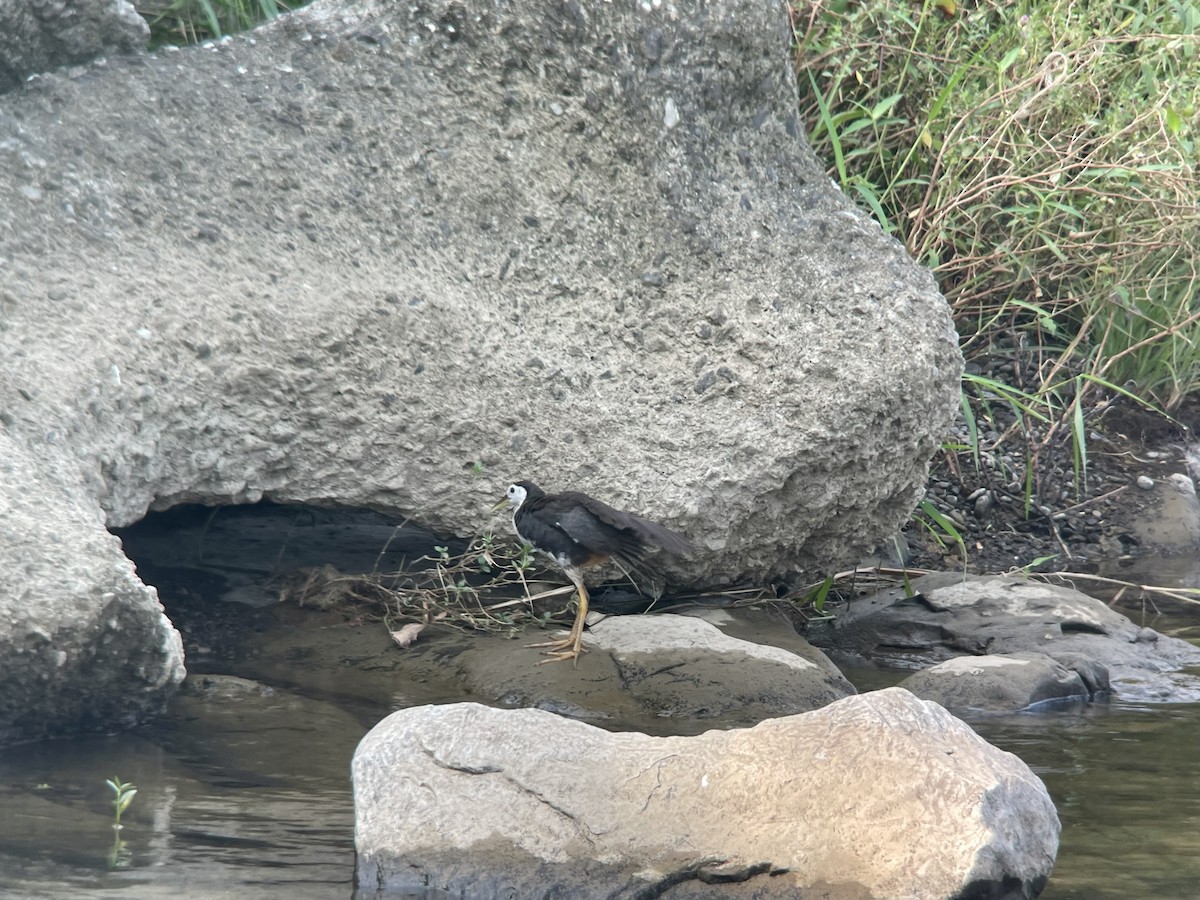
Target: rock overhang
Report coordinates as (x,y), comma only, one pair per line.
(505,254)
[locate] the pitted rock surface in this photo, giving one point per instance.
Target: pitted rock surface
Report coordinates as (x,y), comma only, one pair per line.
(353,256)
(879,795)
(84,645)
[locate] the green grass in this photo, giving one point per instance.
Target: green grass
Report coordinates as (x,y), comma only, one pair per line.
(1041,159)
(193,21)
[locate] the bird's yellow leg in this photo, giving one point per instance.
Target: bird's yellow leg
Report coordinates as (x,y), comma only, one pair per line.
(572,646)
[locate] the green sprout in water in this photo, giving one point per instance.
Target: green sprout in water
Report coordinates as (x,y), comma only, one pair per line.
(123,794)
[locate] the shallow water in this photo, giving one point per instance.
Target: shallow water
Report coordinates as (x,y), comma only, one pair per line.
(194,830)
(268,813)
(1125,781)
(253,799)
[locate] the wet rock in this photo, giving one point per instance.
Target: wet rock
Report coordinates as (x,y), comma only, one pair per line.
(951,616)
(389,402)
(1094,676)
(1172,522)
(473,801)
(222,718)
(998,683)
(663,672)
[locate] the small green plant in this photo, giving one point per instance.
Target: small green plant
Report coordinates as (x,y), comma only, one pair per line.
(123,794)
(119,855)
(944,532)
(819,595)
(1028,568)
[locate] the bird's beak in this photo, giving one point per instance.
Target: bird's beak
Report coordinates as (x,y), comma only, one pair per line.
(499,506)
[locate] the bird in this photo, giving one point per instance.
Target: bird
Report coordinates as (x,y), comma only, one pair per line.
(577,531)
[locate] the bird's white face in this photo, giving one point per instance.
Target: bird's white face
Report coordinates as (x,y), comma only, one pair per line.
(516,495)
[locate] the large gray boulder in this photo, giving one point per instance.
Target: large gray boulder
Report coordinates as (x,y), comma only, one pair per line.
(879,795)
(41,35)
(348,258)
(84,645)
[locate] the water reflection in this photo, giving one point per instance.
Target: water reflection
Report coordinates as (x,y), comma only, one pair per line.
(264,821)
(273,834)
(1125,781)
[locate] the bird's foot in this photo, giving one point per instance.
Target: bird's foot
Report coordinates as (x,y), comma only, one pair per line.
(572,653)
(556,645)
(570,648)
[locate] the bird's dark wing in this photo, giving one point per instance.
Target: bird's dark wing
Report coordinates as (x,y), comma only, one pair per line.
(591,538)
(624,534)
(668,540)
(538,525)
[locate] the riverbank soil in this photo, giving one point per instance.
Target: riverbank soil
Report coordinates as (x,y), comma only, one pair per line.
(1119,513)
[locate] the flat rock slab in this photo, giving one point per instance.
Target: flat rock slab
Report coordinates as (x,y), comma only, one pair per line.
(659,672)
(953,616)
(880,795)
(1171,522)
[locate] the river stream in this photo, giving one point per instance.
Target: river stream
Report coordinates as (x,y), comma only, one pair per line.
(253,799)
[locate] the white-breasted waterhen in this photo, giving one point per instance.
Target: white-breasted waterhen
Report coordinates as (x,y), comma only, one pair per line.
(577,531)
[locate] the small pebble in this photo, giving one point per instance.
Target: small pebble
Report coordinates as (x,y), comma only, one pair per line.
(1145,483)
(671,114)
